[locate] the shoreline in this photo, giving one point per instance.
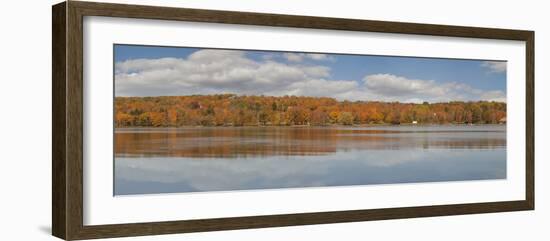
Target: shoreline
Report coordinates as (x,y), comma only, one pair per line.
(308,126)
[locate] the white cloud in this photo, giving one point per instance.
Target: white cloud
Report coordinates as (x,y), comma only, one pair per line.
(292,57)
(230,71)
(299,57)
(494,95)
(388,84)
(318,88)
(319,57)
(495,66)
(397,88)
(210,71)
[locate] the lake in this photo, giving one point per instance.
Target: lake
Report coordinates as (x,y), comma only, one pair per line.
(199,159)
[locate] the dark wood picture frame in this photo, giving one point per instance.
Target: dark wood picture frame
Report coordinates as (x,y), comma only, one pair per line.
(67,123)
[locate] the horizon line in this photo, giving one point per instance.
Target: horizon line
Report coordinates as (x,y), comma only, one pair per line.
(317,97)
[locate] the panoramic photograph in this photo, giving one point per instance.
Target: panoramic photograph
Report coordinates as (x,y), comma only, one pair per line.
(190,119)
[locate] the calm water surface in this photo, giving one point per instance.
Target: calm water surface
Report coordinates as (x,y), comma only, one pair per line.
(167,160)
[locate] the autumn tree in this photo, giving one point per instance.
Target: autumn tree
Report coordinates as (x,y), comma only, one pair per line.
(345,118)
(319,118)
(234,110)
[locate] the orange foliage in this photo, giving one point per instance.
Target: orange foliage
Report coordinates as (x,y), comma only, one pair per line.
(233,110)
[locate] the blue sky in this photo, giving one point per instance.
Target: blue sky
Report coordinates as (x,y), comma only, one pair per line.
(168,71)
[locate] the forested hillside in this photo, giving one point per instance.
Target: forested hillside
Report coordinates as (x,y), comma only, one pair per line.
(233,110)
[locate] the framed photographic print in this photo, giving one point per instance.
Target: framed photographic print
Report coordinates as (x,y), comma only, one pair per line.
(171,120)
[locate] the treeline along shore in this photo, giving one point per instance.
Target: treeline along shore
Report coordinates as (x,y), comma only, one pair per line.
(237,110)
